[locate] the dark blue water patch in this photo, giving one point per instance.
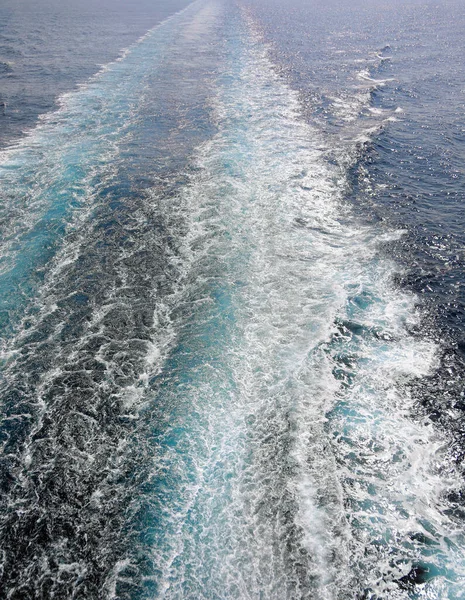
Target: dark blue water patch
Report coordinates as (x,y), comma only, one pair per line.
(419,192)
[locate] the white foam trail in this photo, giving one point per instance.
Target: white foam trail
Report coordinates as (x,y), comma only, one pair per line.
(319,471)
(353,104)
(366,76)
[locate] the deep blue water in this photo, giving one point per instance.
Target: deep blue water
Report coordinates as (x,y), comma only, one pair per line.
(232,300)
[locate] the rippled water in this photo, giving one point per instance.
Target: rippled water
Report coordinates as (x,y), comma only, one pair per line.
(231,305)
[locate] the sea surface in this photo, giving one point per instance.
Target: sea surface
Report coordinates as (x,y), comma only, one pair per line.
(232,300)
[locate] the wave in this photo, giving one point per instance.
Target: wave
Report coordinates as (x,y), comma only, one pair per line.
(6,66)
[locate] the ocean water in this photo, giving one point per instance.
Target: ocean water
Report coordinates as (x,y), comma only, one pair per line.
(232,300)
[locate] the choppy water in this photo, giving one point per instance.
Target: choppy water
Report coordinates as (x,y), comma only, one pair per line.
(232,305)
